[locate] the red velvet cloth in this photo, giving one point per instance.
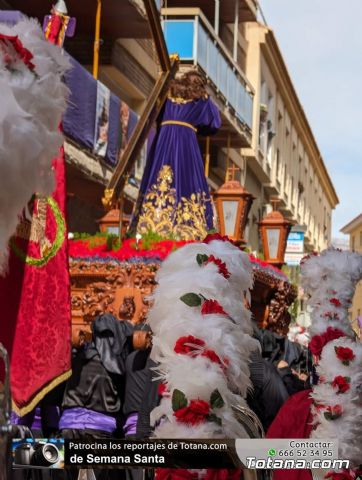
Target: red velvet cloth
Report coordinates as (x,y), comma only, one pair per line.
(293,421)
(211,474)
(35,302)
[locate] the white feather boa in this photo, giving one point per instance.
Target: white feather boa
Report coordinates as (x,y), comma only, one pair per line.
(330,280)
(32,104)
(195,375)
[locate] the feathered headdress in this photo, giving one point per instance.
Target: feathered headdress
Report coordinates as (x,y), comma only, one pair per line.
(202,340)
(330,279)
(33,98)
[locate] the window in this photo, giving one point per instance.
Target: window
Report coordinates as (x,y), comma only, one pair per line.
(360,239)
(352,243)
(277,166)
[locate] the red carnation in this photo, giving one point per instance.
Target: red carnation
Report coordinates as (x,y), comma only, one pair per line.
(332,413)
(318,341)
(212,306)
(221,265)
(188,345)
(339,476)
(335,302)
(23,53)
(316,345)
(344,354)
(341,384)
(162,389)
(216,236)
(333,333)
(213,356)
(194,414)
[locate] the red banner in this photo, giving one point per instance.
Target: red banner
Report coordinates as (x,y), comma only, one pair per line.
(35,299)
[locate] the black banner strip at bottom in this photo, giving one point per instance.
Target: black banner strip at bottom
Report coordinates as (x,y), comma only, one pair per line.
(171,453)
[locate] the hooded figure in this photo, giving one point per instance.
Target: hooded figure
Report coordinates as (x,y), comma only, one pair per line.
(92,401)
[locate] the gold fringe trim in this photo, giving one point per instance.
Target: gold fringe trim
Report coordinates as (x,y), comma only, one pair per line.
(40,395)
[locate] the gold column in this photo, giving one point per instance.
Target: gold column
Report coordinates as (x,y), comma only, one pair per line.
(96,40)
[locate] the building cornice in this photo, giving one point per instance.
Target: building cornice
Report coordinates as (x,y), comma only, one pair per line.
(282,77)
(352,225)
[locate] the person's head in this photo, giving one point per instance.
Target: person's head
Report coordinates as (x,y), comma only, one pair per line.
(190,86)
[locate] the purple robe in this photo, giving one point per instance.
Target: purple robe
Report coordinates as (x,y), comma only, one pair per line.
(174,198)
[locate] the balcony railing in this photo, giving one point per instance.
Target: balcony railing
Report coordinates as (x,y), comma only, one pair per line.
(195,41)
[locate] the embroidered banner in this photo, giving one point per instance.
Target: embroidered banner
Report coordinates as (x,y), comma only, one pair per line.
(79,120)
(100,141)
(35,299)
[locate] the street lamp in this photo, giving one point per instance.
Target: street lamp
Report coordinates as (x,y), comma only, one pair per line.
(232,203)
(274,230)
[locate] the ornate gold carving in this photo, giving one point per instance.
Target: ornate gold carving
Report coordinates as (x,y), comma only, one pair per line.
(108,200)
(161,213)
(100,287)
(175,57)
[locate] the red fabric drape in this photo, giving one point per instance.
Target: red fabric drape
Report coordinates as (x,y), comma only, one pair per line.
(293,421)
(35,300)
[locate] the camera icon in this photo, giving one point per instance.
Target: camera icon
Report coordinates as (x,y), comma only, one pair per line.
(41,454)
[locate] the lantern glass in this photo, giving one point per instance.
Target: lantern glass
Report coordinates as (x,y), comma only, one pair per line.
(273,236)
(113,230)
(230,210)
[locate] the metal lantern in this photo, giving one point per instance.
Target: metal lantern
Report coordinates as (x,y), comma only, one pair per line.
(274,230)
(233,203)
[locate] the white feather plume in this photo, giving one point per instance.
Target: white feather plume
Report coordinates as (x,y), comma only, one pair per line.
(32,104)
(170,319)
(330,279)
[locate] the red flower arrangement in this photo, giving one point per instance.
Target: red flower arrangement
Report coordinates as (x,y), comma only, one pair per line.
(220,264)
(208,306)
(203,259)
(23,53)
(319,341)
(335,302)
(190,345)
(212,306)
(216,236)
(342,384)
(307,257)
(332,413)
(162,389)
(344,354)
(339,476)
(331,315)
(193,414)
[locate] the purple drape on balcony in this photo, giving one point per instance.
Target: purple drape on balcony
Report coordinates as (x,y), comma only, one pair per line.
(79,118)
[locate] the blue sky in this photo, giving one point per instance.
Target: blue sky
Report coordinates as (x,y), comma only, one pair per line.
(321,41)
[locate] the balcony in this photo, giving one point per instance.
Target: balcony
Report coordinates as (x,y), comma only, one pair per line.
(247,9)
(189,33)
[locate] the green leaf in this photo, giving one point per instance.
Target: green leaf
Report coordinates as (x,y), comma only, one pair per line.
(179,400)
(201,258)
(216,400)
(213,418)
(328,416)
(348,379)
(345,362)
(191,299)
